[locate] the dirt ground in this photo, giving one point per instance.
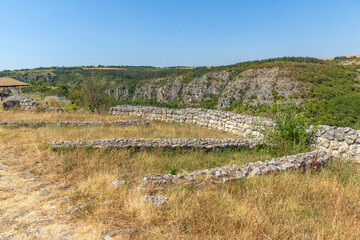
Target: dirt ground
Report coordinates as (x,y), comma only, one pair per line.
(32,209)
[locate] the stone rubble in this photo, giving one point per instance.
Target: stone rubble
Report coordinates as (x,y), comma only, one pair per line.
(315,159)
(156,200)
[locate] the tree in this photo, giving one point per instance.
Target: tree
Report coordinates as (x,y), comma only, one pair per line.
(94,94)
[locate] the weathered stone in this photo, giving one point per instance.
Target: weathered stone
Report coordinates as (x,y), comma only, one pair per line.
(79,206)
(156,200)
(343,147)
(334,145)
(354,150)
(323,142)
(118,182)
(339,134)
(350,139)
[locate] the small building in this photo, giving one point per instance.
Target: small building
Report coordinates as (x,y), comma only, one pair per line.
(6,83)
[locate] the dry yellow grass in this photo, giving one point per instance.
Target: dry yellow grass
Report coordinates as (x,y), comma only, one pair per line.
(293,205)
(49,117)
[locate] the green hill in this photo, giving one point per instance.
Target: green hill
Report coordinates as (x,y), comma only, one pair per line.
(329,91)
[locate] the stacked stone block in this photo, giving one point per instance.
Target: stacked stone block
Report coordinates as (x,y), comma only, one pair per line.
(338,141)
(243,125)
(183,144)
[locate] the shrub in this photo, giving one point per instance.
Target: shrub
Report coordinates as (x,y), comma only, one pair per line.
(291,133)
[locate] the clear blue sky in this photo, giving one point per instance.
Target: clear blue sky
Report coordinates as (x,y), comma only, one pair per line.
(37,33)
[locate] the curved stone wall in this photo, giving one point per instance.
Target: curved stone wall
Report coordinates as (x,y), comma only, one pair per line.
(243,125)
(338,141)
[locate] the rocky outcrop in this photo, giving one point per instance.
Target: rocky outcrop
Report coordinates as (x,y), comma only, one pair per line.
(144,93)
(36,77)
(119,93)
(203,88)
(252,87)
(170,92)
(260,86)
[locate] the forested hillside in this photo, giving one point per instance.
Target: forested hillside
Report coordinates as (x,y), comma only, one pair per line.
(328,91)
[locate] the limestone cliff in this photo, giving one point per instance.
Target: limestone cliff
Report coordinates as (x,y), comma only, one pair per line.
(252,87)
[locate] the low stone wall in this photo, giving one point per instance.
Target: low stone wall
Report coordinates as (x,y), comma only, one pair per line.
(123,122)
(23,102)
(340,142)
(23,124)
(31,104)
(242,125)
(343,142)
(315,159)
(204,144)
(73,124)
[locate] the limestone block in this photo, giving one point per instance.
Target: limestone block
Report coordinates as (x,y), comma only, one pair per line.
(354,150)
(334,145)
(350,139)
(343,147)
(339,134)
(320,141)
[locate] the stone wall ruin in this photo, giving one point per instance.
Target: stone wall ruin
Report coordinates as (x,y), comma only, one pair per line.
(337,141)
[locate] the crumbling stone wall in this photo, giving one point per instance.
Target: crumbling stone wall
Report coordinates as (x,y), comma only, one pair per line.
(73,124)
(205,144)
(338,141)
(315,159)
(122,122)
(21,101)
(31,104)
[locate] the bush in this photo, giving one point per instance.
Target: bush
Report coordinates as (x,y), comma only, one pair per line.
(291,133)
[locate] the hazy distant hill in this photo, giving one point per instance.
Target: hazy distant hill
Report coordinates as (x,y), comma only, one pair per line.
(332,58)
(330,88)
